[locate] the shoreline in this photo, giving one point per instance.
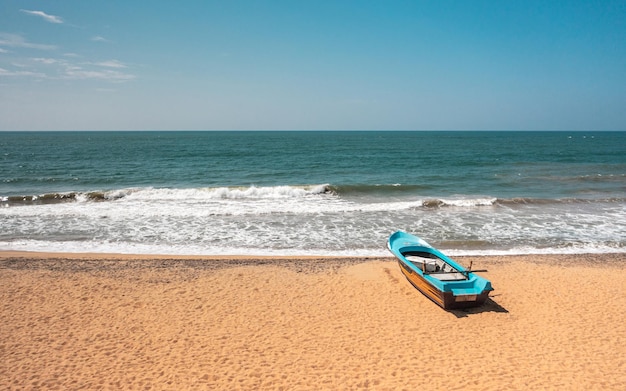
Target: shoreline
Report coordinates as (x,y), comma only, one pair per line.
(64,260)
(117,321)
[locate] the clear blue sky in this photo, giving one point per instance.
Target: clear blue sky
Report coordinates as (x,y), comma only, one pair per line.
(493,65)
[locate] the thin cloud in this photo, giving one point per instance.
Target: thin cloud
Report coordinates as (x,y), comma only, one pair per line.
(99,38)
(85,71)
(48,61)
(3,51)
(64,69)
(45,16)
(15,40)
(82,74)
(7,73)
(111,64)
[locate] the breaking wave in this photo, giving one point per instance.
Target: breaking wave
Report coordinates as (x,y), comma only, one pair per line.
(381,194)
(160,194)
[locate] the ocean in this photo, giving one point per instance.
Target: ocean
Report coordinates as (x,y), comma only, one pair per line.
(312,192)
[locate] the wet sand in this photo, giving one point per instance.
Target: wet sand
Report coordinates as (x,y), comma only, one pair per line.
(105,321)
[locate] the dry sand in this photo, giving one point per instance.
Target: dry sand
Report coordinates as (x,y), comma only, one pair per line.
(145,322)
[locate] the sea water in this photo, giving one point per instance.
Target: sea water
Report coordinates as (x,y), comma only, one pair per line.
(313,192)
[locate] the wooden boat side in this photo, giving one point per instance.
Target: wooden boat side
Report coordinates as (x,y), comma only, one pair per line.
(446,300)
(423,286)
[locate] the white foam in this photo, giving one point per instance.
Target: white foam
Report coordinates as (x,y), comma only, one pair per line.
(103,247)
(288,220)
(469,202)
(252,192)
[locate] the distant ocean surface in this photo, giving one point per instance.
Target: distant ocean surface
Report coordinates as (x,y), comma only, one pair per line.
(312,193)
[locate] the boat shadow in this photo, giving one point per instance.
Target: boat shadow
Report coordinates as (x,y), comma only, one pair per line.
(489,306)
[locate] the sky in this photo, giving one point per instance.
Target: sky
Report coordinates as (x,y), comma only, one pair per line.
(312,65)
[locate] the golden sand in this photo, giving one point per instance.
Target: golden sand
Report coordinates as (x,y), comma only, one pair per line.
(145,322)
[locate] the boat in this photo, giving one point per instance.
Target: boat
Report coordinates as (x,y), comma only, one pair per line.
(438,277)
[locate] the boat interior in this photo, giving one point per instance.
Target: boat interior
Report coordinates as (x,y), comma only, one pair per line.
(434,266)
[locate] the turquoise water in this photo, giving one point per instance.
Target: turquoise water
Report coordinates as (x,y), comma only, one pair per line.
(337,193)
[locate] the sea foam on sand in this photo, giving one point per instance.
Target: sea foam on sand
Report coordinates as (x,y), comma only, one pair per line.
(152,322)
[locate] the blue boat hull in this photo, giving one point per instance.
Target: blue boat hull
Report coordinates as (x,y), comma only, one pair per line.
(441,279)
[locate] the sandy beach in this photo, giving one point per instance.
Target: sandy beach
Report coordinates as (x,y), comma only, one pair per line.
(104,321)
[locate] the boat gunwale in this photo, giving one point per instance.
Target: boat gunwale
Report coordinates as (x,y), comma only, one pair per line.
(442,285)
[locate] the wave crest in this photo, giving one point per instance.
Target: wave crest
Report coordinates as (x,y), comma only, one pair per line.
(460,202)
(160,194)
